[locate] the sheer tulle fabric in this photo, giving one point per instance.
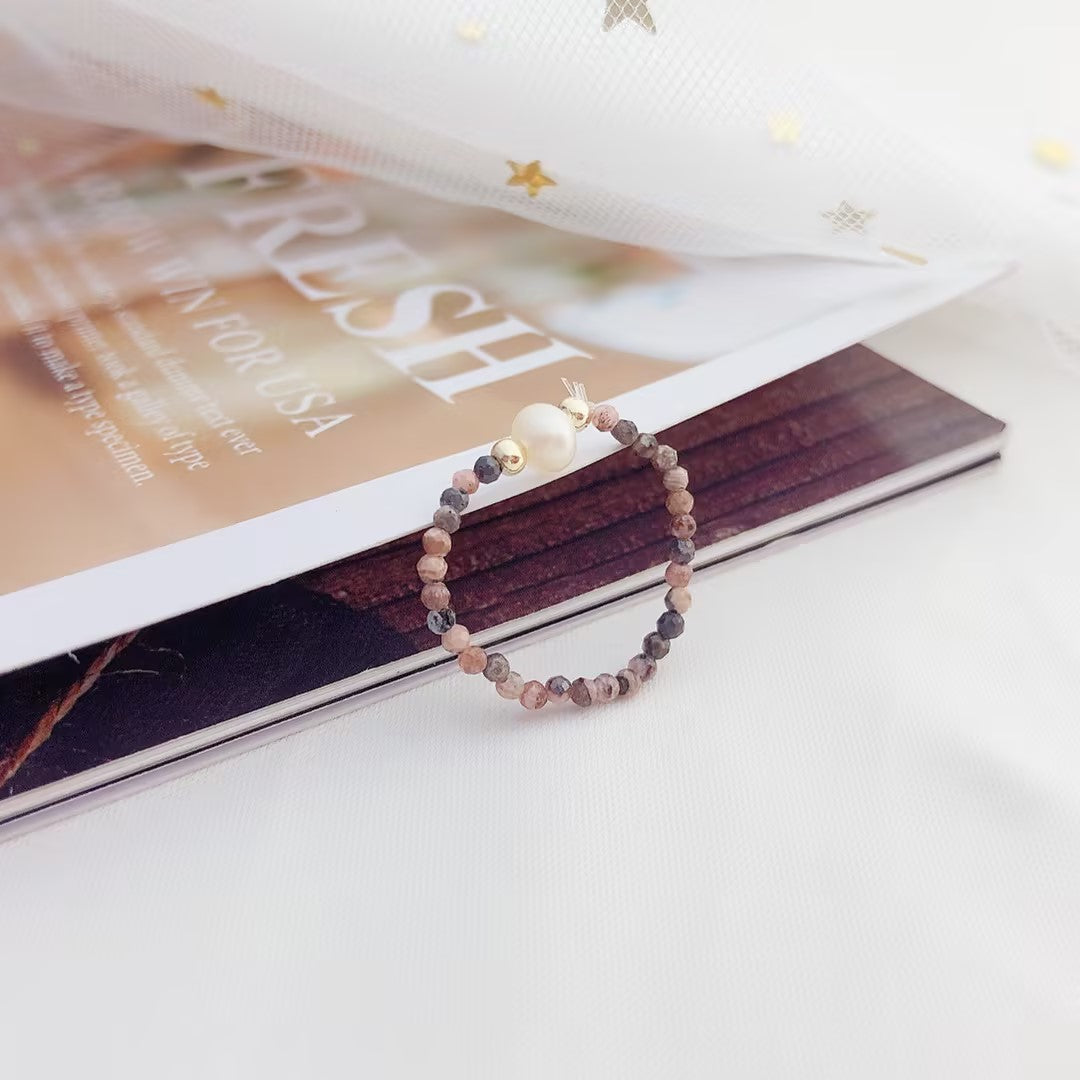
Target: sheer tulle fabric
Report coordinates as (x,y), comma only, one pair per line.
(692,126)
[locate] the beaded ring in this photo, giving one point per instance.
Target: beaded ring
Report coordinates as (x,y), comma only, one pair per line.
(545,436)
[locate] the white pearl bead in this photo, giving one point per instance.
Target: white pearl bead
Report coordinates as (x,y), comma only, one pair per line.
(547,434)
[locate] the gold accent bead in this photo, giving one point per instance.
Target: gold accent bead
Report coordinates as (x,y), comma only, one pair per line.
(509,455)
(579,412)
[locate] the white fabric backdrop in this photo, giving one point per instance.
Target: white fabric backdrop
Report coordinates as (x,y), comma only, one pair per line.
(839,838)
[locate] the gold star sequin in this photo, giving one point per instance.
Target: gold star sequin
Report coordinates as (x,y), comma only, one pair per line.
(27,146)
(471,31)
(846,218)
(1053,153)
(210,96)
(634,10)
(530,177)
(784,128)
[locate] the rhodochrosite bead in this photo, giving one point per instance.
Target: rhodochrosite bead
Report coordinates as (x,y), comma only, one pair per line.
(465,480)
(679,502)
(683,526)
(665,458)
(473,660)
(676,479)
(605,417)
(437,541)
(607,687)
(583,692)
(511,687)
(547,435)
(678,575)
(456,639)
(431,568)
(534,695)
(435,596)
(678,599)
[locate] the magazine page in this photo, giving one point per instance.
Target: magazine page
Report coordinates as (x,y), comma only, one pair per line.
(218,369)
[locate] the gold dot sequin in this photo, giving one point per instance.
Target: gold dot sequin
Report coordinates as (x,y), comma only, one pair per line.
(785,128)
(1053,153)
(472,31)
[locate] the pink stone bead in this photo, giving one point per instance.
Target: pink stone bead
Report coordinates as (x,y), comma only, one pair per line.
(644,667)
(605,417)
(456,639)
(683,526)
(679,502)
(678,599)
(678,575)
(437,542)
(666,457)
(431,568)
(534,695)
(632,678)
(435,597)
(607,688)
(465,480)
(676,479)
(511,687)
(583,692)
(472,660)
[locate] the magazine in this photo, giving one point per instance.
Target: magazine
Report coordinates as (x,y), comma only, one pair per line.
(839,435)
(218,370)
(230,385)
